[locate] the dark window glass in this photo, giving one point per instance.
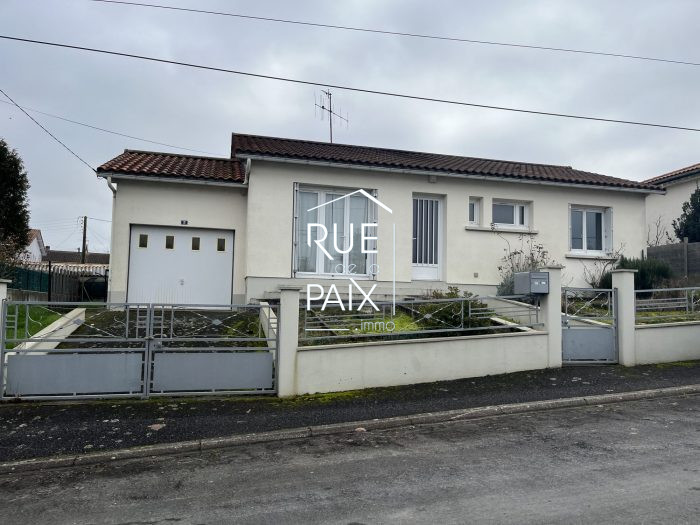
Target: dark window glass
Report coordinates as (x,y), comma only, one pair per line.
(143,240)
(576,230)
(195,243)
(521,210)
(503,213)
(220,245)
(594,230)
(169,242)
(472,212)
(415,230)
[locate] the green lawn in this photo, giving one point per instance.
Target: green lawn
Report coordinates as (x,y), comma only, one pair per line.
(39,318)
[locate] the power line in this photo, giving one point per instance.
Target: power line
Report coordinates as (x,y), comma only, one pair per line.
(48,132)
(66,119)
(402,33)
(101,220)
(349,88)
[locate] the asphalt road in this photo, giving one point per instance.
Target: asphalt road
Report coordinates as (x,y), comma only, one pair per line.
(634,462)
(29,430)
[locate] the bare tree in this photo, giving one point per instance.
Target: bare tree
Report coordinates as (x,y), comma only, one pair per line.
(594,270)
(657,234)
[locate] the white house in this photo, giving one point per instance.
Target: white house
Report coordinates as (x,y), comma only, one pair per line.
(35,250)
(663,209)
(212,230)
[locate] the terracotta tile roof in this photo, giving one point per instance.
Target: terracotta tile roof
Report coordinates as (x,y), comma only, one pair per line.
(413,160)
(33,234)
(688,171)
(149,163)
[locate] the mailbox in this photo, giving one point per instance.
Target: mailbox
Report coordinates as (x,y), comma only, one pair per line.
(531,283)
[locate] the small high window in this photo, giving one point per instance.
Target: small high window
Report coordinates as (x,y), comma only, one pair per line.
(220,245)
(512,214)
(169,242)
(195,243)
(143,240)
(474,210)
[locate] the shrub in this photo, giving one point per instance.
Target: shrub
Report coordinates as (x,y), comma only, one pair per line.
(650,272)
(529,257)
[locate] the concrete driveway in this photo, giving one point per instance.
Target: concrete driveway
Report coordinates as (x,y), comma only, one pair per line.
(634,462)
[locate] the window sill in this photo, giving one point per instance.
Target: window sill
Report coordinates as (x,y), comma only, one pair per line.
(602,256)
(500,229)
(357,277)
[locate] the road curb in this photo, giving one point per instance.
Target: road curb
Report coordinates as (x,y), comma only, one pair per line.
(428,418)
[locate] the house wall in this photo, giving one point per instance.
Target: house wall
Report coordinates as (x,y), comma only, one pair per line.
(471,257)
(166,204)
(668,207)
(33,251)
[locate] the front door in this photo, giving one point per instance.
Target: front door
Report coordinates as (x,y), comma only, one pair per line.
(427,242)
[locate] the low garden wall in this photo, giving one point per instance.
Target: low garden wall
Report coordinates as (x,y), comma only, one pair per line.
(333,368)
(668,342)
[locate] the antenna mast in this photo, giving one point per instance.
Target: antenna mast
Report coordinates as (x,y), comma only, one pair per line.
(326,106)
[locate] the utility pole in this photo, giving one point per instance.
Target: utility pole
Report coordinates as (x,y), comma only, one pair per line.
(82,253)
(327,107)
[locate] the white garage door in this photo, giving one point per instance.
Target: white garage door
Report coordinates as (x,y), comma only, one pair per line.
(180,265)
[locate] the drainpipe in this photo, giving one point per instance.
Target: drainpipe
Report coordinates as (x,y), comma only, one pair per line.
(111,186)
(248,164)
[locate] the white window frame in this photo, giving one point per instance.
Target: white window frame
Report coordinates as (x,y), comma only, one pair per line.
(606,229)
(322,191)
(517,206)
(476,202)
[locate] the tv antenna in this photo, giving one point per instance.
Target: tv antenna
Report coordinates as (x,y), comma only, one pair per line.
(325,105)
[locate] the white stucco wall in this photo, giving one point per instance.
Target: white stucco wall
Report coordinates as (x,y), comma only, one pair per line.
(471,257)
(369,365)
(166,204)
(669,207)
(667,343)
(33,251)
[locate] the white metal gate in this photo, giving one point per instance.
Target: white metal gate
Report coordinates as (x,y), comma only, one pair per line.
(83,350)
(589,326)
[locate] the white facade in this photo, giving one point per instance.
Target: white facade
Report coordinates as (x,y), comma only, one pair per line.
(662,210)
(575,224)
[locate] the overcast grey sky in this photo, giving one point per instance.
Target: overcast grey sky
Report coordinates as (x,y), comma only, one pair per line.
(199,109)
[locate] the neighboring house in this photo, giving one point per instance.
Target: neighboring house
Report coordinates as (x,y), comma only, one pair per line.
(662,210)
(211,230)
(35,250)
(75,257)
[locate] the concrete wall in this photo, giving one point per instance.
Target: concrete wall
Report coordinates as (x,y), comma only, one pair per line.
(166,204)
(471,255)
(669,206)
(368,365)
(666,343)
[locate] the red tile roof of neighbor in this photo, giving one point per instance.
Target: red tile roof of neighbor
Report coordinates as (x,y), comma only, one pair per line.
(688,171)
(231,170)
(173,165)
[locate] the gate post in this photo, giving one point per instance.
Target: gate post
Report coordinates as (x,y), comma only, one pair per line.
(3,296)
(288,337)
(623,282)
(550,310)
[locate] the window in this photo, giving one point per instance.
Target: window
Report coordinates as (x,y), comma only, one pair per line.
(342,218)
(220,245)
(474,210)
(590,229)
(169,242)
(510,214)
(195,243)
(143,240)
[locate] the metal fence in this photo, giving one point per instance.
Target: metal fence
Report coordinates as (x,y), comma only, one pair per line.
(415,319)
(667,305)
(586,305)
(82,350)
